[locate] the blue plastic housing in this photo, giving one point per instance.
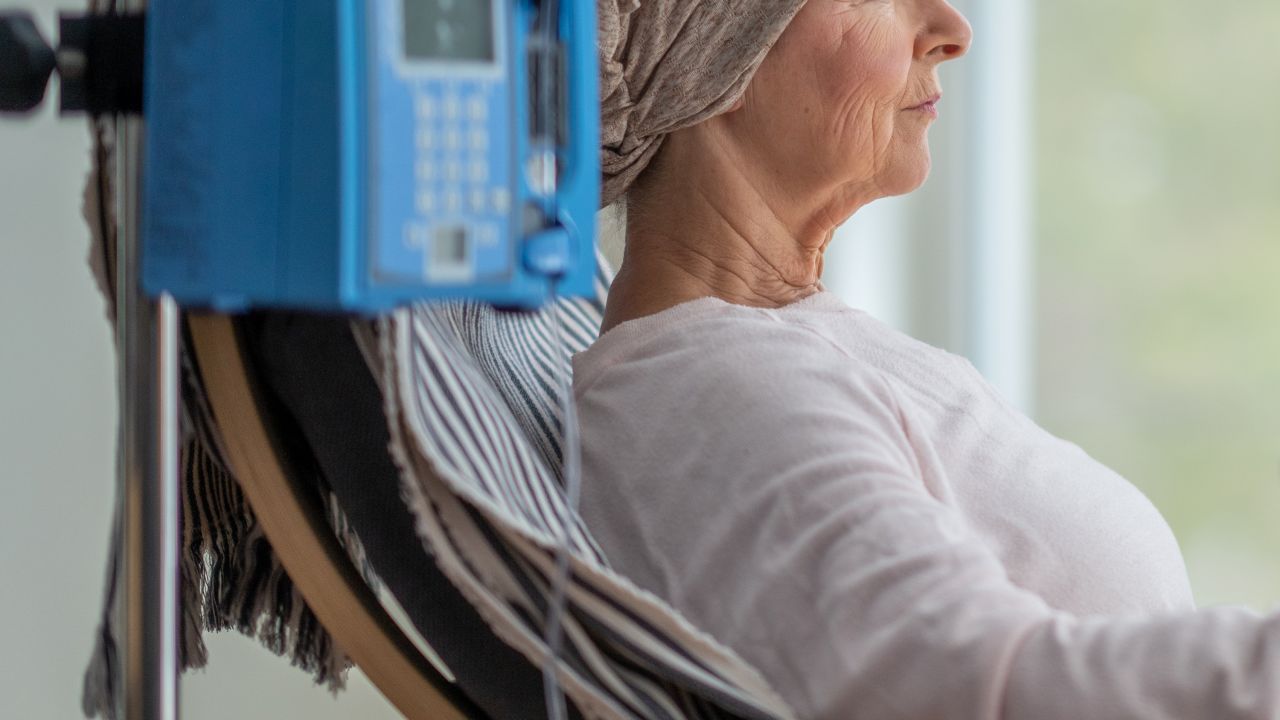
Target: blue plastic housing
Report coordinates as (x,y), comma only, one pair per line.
(297,156)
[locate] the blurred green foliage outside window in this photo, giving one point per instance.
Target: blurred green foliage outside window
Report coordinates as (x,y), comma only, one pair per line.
(1158,240)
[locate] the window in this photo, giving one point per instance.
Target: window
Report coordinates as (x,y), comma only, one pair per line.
(1158,234)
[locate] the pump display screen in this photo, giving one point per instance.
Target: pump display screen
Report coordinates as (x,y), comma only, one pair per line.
(448,30)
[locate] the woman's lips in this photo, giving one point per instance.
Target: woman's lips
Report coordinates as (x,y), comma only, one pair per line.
(928,107)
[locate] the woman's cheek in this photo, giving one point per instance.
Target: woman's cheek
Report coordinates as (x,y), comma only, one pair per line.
(881,59)
(855,133)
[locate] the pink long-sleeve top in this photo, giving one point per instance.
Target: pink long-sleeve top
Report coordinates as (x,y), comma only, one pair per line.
(863,518)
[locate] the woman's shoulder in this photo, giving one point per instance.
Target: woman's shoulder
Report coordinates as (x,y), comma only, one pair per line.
(709,343)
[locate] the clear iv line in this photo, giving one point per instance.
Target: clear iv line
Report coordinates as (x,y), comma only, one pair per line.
(571,452)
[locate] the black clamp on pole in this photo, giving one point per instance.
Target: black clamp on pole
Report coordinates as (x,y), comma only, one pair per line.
(99,60)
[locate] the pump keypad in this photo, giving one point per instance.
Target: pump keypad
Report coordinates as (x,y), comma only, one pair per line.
(452,180)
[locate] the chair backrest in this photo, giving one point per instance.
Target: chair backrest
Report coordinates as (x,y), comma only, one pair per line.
(473,400)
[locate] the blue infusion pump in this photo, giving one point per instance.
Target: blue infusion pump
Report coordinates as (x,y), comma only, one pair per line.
(361,154)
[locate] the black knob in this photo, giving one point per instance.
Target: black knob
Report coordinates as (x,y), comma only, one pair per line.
(26,62)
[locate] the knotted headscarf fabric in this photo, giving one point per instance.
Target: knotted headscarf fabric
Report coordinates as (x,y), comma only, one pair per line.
(670,64)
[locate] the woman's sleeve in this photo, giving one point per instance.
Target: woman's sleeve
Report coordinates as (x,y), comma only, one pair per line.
(860,595)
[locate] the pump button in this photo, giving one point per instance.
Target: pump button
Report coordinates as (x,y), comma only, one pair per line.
(546,252)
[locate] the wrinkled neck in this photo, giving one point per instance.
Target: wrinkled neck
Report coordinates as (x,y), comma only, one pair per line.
(706,223)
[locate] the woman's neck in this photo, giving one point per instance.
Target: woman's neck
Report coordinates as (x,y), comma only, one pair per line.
(660,278)
(709,230)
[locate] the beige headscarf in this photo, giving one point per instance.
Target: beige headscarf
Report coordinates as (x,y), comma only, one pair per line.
(670,64)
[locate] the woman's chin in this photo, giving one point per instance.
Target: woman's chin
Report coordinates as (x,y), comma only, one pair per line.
(908,175)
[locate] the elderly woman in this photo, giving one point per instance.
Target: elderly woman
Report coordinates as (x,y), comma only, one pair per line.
(858,514)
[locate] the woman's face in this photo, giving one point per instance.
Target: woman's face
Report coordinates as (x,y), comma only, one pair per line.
(847,90)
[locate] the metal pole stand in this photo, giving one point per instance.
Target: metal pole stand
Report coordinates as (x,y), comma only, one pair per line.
(147,339)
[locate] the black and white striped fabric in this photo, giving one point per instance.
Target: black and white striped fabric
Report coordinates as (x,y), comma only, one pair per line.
(473,401)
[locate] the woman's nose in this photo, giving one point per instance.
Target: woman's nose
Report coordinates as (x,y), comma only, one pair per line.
(947,34)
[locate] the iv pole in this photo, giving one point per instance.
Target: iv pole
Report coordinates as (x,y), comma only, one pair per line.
(147,335)
(147,338)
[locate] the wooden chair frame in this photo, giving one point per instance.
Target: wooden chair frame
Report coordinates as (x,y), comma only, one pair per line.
(294,522)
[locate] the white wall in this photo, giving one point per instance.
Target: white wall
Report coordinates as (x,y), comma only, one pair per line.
(57,426)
